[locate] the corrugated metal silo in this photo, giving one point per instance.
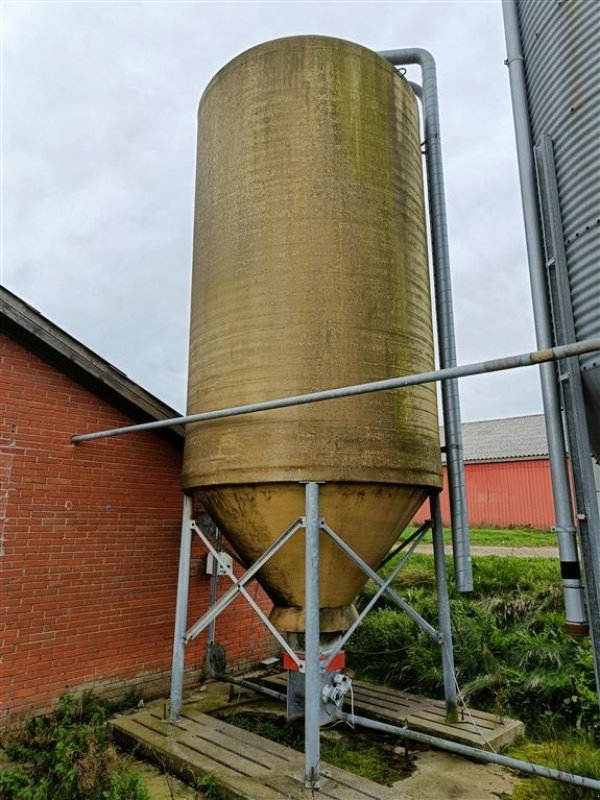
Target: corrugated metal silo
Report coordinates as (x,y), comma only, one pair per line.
(560,51)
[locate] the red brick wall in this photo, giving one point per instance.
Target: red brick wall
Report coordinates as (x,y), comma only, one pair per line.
(91,539)
(502,494)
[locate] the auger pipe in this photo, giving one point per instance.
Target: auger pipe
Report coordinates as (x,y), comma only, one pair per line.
(537,770)
(495,365)
(442,286)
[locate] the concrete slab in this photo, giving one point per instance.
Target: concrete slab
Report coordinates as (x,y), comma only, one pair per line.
(250,767)
(247,766)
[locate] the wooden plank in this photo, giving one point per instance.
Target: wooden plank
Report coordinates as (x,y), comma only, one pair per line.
(436,716)
(426,715)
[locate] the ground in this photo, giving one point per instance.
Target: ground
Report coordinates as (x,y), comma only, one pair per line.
(442,776)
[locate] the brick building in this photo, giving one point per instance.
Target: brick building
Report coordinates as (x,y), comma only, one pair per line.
(90,533)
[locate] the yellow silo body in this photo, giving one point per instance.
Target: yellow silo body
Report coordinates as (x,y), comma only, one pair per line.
(310,272)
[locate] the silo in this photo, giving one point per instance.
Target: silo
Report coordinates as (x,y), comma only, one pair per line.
(562,70)
(310,272)
(556,101)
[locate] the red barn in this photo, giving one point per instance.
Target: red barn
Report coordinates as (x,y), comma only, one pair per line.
(507,474)
(90,533)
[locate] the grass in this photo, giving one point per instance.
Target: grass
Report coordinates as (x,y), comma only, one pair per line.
(580,757)
(67,755)
(504,537)
(351,752)
(511,651)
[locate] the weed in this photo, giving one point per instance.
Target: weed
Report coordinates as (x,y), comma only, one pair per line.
(210,789)
(353,754)
(580,756)
(511,651)
(68,756)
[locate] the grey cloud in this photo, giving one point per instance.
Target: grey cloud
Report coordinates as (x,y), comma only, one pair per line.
(99,121)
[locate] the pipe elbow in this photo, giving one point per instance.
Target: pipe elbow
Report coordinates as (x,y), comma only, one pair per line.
(411,55)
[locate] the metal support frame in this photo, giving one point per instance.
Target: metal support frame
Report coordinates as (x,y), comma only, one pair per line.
(402,604)
(311,665)
(443,602)
(312,635)
(181,609)
(239,585)
(383,588)
(584,483)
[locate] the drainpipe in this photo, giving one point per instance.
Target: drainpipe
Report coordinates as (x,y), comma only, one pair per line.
(563,509)
(444,310)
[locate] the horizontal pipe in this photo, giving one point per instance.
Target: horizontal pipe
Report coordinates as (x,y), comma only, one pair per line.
(255,687)
(472,752)
(478,368)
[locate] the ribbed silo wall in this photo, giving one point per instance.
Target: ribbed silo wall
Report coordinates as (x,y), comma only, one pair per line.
(560,48)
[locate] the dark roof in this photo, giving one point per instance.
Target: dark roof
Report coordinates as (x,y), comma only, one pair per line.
(508,439)
(28,327)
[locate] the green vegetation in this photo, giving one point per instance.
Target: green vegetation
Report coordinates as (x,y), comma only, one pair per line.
(579,757)
(512,657)
(354,754)
(68,756)
(517,537)
(512,654)
(505,537)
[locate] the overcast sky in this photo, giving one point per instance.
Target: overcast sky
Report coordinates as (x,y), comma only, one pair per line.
(99,105)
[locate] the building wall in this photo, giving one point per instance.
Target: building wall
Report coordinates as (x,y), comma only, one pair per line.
(90,538)
(503,494)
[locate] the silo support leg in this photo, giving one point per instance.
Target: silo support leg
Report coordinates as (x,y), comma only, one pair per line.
(181,608)
(312,701)
(441,583)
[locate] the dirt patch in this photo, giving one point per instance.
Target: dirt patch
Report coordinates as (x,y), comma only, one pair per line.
(442,776)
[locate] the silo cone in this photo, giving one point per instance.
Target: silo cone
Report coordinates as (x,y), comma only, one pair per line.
(310,272)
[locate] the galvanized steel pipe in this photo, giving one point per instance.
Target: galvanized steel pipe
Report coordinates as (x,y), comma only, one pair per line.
(312,677)
(563,510)
(537,770)
(444,310)
(478,368)
(183,582)
(443,601)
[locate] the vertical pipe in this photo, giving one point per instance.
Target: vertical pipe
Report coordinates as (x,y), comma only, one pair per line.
(572,395)
(181,608)
(443,601)
(565,524)
(312,677)
(444,309)
(214,583)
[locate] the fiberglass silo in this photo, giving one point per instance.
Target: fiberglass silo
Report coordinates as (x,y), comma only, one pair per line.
(310,272)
